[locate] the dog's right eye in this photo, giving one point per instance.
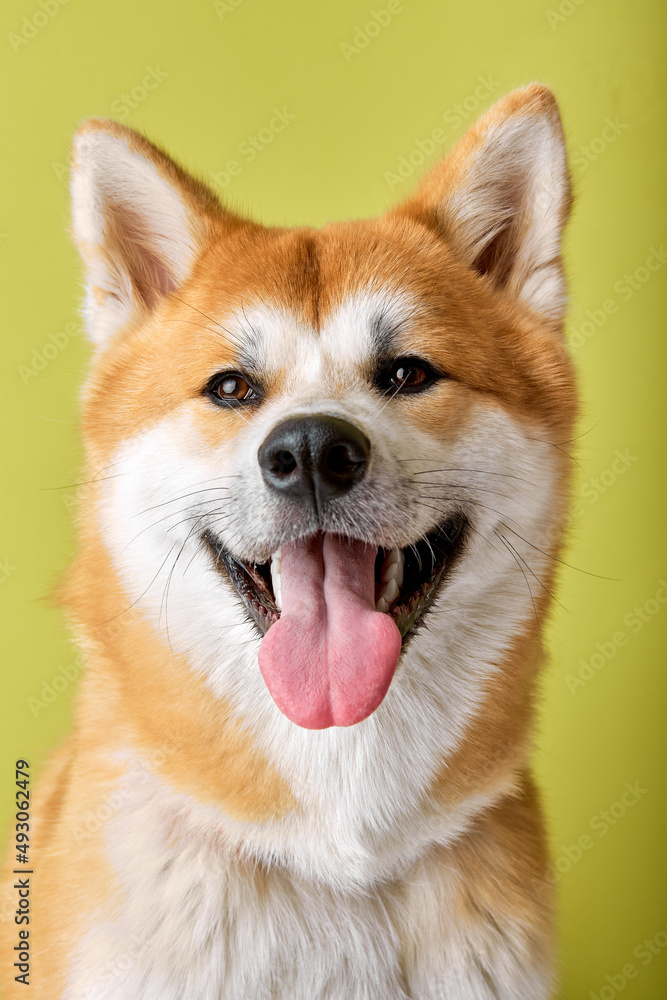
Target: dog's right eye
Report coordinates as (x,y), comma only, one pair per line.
(232,388)
(409,374)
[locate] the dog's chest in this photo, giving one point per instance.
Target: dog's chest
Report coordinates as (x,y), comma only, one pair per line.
(194,917)
(238,932)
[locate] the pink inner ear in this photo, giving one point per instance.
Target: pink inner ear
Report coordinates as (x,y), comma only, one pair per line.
(134,246)
(502,197)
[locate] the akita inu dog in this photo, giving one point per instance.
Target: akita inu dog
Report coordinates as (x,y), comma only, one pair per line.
(327,485)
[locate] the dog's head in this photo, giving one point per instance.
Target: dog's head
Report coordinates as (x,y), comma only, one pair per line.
(311,443)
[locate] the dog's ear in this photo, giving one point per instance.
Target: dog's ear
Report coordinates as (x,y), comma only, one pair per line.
(139,222)
(502,196)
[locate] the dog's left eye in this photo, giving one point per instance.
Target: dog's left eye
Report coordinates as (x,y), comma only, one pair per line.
(406,375)
(231,387)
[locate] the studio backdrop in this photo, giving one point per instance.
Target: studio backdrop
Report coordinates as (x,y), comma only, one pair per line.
(299,113)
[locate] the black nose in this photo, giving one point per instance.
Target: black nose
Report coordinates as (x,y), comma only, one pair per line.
(314,455)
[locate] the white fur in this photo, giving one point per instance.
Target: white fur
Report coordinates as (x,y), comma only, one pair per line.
(365,819)
(111,183)
(200,920)
(518,173)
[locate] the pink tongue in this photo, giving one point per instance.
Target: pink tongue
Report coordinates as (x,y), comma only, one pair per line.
(330,658)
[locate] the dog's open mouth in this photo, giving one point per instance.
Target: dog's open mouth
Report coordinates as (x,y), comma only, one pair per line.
(335,613)
(406,580)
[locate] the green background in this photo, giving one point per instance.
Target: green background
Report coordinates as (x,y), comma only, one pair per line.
(218,71)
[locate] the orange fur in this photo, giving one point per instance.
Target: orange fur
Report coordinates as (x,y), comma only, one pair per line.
(137,693)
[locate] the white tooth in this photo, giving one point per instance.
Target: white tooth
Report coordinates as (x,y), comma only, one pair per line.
(392,568)
(382,605)
(390,591)
(275,579)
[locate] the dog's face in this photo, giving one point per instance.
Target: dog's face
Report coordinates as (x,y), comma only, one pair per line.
(316,442)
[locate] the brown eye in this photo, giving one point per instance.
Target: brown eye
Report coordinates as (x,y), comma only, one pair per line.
(406,375)
(231,388)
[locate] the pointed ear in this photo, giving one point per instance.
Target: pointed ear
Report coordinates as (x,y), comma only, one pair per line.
(502,197)
(139,222)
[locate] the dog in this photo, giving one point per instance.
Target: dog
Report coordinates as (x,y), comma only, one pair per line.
(326,491)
